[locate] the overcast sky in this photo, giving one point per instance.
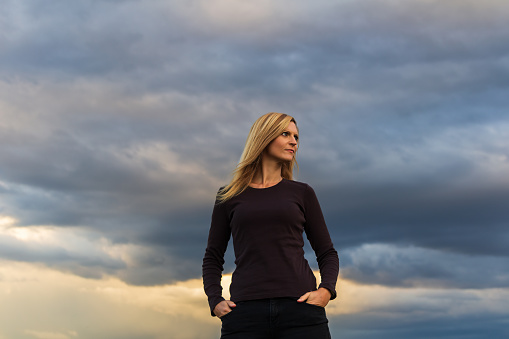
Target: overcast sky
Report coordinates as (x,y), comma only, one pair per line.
(120,119)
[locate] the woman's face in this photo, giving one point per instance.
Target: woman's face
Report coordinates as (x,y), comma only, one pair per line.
(283,148)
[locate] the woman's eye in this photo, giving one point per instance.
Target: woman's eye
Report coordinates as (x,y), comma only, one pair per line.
(285,134)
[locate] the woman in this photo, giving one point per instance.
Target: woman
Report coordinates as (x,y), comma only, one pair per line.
(273,289)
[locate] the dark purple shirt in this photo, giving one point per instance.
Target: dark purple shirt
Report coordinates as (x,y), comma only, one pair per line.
(267,227)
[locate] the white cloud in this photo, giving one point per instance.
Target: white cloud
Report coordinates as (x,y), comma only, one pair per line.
(73,248)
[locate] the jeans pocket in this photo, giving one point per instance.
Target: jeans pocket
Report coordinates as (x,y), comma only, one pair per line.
(313,305)
(226,315)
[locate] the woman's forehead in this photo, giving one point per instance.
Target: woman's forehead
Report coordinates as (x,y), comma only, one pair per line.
(292,127)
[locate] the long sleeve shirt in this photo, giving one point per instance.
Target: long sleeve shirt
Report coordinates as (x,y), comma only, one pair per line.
(267,227)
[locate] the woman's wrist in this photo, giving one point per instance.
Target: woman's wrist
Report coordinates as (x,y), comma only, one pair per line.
(325,291)
(331,294)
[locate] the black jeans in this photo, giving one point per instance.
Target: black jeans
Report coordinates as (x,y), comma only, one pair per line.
(277,318)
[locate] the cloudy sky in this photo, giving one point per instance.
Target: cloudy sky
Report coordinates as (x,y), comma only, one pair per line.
(119,120)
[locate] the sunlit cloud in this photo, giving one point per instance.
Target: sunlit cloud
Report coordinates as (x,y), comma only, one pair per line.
(51,335)
(45,303)
(428,302)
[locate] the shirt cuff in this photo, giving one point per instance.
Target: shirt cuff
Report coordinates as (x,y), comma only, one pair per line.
(213,303)
(332,291)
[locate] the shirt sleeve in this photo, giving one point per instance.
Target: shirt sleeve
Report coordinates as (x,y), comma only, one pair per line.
(213,261)
(319,238)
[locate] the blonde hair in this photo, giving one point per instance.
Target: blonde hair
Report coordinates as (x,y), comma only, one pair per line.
(265,129)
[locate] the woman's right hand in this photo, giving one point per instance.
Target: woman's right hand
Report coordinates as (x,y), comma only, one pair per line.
(223,308)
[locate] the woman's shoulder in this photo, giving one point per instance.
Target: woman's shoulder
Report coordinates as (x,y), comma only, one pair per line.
(297,185)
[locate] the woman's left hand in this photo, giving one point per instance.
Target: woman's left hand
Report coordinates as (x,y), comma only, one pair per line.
(320,297)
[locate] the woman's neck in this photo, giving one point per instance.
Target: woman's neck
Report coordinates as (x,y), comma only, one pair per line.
(268,175)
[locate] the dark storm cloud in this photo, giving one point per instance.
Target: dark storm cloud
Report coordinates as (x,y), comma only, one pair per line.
(187,49)
(410,266)
(419,323)
(430,215)
(124,117)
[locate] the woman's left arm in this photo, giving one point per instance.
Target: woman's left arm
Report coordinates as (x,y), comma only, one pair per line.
(326,256)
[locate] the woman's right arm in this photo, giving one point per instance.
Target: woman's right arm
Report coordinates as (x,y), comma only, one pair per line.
(213,261)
